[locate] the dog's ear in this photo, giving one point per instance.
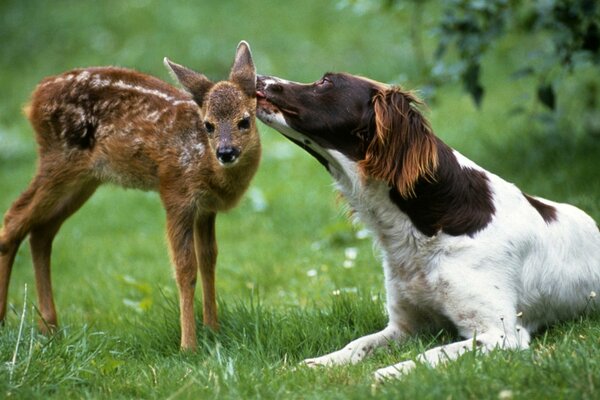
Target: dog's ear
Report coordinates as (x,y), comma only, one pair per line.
(403,148)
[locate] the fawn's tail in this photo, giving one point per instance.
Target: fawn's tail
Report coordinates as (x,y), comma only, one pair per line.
(26,110)
(3,244)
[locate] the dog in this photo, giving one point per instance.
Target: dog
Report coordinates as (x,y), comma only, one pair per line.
(198,148)
(461,247)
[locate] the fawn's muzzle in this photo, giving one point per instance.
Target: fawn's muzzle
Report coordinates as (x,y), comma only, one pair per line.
(227,154)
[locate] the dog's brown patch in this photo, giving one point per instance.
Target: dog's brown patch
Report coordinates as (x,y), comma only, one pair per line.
(456,201)
(547,211)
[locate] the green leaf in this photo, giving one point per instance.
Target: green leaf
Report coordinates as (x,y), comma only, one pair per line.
(546,96)
(472,83)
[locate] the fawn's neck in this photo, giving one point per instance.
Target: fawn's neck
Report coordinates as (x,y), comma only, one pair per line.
(228,184)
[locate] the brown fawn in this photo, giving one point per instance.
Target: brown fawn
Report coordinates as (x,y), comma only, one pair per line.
(198,148)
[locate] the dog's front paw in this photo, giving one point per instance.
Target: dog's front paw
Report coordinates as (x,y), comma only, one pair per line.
(339,357)
(324,361)
(313,363)
(395,371)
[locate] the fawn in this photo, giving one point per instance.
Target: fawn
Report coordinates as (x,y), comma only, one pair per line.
(198,148)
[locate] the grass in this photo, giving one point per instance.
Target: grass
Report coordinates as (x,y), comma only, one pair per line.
(284,292)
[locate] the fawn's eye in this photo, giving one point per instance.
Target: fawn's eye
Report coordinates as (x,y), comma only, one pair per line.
(210,128)
(244,123)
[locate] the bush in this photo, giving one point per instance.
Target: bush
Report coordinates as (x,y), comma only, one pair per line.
(567,33)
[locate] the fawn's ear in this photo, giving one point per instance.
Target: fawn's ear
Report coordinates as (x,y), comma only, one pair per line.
(195,83)
(243,72)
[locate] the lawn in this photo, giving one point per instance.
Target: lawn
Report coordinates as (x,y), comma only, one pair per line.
(289,285)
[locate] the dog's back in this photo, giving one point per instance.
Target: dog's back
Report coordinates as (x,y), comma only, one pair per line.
(561,274)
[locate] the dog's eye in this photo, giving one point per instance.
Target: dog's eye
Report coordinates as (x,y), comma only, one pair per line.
(210,128)
(244,123)
(325,81)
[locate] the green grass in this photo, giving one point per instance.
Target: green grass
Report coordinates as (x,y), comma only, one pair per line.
(284,293)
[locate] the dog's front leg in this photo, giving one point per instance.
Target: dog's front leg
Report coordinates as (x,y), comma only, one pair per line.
(205,245)
(484,343)
(358,349)
(431,357)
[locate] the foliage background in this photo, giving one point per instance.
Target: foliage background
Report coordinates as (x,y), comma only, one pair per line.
(295,279)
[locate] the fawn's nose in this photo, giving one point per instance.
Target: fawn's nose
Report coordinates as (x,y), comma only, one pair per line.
(227,154)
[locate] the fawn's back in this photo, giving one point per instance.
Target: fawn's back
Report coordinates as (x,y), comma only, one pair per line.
(113,124)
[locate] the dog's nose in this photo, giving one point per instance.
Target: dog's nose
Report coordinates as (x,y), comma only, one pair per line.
(260,86)
(227,154)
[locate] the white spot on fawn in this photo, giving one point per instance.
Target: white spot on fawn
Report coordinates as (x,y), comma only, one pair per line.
(154,116)
(99,82)
(189,155)
(83,76)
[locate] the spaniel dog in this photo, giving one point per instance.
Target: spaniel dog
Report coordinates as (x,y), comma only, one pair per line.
(461,247)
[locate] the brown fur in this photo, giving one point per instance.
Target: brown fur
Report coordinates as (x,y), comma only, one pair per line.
(100,125)
(403,148)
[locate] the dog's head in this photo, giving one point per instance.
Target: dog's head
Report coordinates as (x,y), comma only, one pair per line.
(374,125)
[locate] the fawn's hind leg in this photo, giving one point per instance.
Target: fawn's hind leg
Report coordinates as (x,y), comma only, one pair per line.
(14,229)
(41,237)
(7,258)
(52,196)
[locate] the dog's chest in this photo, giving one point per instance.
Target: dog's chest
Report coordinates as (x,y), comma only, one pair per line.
(409,256)
(392,230)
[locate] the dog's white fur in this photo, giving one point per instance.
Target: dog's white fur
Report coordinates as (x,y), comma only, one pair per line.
(496,287)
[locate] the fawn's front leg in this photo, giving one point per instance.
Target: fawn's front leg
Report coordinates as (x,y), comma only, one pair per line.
(205,245)
(181,241)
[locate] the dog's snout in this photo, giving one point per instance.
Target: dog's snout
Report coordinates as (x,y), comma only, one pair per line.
(260,86)
(276,87)
(227,154)
(260,82)
(264,83)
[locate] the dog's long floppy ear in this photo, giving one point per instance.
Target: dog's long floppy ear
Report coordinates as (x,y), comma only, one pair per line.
(403,148)
(193,82)
(243,72)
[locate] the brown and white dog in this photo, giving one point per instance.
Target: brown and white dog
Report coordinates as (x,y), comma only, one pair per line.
(461,247)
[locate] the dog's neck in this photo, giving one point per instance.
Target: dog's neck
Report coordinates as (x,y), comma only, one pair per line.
(370,200)
(457,201)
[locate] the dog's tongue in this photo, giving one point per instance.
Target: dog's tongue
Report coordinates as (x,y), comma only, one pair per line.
(260,94)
